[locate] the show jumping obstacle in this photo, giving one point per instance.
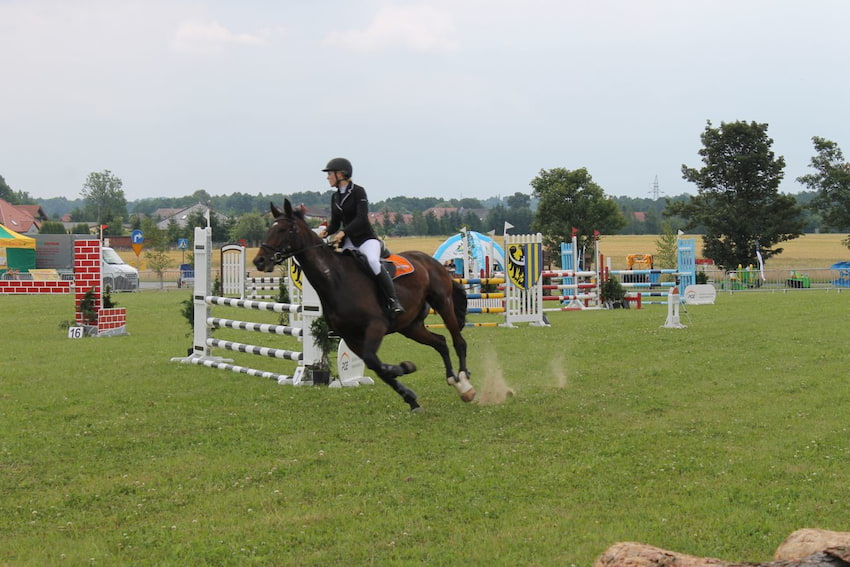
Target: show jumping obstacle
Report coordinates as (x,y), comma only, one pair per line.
(203,343)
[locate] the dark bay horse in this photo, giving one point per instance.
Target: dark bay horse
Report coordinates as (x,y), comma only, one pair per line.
(355,309)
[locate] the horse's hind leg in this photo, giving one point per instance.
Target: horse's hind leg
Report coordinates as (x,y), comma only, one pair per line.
(422,335)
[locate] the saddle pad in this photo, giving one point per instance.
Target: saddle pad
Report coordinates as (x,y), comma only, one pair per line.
(402,265)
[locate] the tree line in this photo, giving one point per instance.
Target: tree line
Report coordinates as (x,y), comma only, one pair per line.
(738,208)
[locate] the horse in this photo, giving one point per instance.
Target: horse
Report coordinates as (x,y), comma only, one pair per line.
(356,310)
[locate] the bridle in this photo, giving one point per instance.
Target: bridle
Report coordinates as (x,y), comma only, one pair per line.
(279,255)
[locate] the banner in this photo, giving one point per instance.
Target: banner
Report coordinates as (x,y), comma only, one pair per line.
(295,273)
(525,263)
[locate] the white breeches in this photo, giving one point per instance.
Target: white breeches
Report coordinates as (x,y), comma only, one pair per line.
(371,249)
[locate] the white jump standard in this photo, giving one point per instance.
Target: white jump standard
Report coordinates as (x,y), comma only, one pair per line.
(309,310)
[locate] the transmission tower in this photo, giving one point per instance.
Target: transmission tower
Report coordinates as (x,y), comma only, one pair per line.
(655,192)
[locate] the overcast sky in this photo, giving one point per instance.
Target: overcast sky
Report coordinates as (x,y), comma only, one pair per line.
(445,98)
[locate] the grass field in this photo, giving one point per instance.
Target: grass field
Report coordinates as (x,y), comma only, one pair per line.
(718,440)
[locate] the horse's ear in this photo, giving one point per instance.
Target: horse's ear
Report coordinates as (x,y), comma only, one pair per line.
(287,207)
(275,211)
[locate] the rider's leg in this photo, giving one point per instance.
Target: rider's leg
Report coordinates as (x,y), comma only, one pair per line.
(372,250)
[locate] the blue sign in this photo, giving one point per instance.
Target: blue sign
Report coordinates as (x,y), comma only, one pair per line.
(136,237)
(182,243)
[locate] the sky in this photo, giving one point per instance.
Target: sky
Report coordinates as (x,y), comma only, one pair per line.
(427,98)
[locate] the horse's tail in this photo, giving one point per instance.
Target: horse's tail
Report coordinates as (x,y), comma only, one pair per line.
(459,301)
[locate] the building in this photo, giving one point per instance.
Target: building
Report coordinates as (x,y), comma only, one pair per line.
(23,219)
(181,216)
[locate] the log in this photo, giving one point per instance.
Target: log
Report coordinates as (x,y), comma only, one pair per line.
(631,554)
(808,541)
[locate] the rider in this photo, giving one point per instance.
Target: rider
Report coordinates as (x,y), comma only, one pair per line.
(350,225)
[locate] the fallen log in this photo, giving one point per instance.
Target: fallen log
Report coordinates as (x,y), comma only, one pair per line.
(809,540)
(631,554)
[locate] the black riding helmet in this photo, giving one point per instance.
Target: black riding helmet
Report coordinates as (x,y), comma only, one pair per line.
(340,164)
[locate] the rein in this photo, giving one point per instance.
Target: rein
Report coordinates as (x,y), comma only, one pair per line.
(279,255)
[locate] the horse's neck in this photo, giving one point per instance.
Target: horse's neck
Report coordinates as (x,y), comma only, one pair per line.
(320,265)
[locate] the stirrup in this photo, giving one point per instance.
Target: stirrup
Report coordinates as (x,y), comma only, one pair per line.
(396,307)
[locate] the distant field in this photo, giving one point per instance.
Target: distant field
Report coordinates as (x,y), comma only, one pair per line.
(808,251)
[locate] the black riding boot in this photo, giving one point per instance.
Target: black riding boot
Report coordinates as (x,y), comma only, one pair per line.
(385,282)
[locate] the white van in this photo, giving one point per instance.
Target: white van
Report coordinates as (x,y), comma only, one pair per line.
(117,275)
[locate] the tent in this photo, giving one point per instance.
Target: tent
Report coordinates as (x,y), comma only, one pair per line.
(17,252)
(483,252)
(843,279)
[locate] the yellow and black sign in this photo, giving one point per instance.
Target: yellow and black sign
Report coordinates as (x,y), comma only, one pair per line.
(295,273)
(525,263)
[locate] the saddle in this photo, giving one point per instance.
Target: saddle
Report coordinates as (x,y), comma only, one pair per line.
(395,265)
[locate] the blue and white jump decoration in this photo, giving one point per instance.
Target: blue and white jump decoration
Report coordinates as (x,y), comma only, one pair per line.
(304,314)
(685,275)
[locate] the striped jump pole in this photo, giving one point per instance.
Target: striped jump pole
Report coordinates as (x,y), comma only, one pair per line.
(308,310)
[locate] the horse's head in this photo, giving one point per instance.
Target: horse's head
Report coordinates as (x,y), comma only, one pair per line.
(287,236)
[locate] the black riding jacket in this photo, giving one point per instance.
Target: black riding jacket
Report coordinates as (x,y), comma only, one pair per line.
(350,211)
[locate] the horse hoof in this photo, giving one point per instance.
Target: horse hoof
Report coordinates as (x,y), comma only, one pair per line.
(417,409)
(468,396)
(408,367)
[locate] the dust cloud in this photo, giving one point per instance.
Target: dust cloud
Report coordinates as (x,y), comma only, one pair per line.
(494,389)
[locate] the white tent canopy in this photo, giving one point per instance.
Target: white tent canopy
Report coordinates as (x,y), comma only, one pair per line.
(472,253)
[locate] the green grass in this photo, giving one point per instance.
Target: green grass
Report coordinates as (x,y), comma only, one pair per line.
(717,440)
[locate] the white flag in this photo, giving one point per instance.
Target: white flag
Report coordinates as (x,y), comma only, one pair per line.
(508,226)
(761,263)
(680,232)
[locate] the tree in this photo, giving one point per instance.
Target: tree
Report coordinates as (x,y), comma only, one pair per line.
(518,201)
(667,248)
(831,184)
(6,192)
(105,200)
(52,227)
(251,227)
(738,202)
(14,197)
(571,199)
(158,261)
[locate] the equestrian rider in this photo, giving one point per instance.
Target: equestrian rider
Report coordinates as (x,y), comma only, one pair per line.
(350,225)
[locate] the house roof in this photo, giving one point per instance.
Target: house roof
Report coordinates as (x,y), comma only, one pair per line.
(379,217)
(440,212)
(17,218)
(162,214)
(181,216)
(34,210)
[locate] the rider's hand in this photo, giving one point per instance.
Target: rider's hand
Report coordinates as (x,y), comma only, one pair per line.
(338,237)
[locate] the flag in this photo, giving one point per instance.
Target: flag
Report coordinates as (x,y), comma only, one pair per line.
(508,226)
(680,233)
(761,262)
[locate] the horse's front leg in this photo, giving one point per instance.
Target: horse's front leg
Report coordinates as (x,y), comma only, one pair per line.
(389,373)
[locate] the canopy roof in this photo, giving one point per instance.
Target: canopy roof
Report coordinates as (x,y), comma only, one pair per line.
(11,239)
(480,247)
